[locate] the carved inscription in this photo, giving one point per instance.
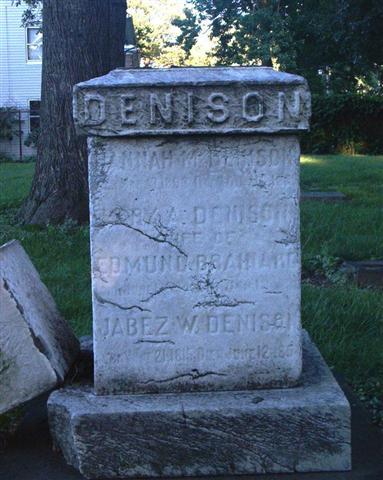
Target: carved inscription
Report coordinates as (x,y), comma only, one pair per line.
(133,111)
(159,264)
(195,254)
(147,326)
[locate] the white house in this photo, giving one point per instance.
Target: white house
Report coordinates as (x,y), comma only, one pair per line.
(20,76)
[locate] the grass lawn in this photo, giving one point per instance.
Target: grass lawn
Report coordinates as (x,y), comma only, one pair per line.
(345,321)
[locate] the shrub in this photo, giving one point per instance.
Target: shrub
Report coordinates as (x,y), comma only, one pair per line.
(7,122)
(32,138)
(345,123)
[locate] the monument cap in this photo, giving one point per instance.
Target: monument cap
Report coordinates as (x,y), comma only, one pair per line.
(190,100)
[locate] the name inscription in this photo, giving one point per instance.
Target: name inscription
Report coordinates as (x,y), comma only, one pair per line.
(145,327)
(134,111)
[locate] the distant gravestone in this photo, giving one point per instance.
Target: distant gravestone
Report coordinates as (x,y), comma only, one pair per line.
(323,196)
(37,347)
(367,273)
(194,204)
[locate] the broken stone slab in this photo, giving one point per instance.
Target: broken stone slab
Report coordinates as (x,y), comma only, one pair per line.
(37,346)
(300,429)
(323,196)
(367,273)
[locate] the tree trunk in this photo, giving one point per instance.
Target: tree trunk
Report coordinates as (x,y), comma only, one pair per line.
(83,39)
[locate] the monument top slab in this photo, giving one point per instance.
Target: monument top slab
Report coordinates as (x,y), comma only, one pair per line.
(195,76)
(181,101)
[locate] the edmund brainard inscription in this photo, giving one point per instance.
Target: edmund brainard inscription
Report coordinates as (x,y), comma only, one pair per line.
(195,241)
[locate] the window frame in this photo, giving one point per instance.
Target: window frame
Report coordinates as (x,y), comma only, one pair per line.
(27,45)
(33,116)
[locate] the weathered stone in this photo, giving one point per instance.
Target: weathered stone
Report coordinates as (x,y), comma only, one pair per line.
(195,241)
(37,347)
(196,263)
(323,196)
(192,101)
(301,429)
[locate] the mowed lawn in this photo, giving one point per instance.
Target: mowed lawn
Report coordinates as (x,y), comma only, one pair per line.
(345,321)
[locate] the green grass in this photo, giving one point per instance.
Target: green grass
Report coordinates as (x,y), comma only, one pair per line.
(345,321)
(60,254)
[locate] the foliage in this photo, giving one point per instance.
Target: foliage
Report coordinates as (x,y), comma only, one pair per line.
(347,123)
(336,44)
(249,32)
(7,123)
(190,30)
(32,138)
(327,266)
(31,14)
(156,35)
(168,34)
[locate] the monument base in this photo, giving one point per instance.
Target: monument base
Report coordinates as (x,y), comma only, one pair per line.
(302,429)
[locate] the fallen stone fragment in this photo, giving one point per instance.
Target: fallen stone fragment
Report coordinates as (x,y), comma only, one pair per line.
(37,347)
(323,196)
(368,273)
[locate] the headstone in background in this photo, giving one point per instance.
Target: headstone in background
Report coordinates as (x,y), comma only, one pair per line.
(366,273)
(323,196)
(194,205)
(132,52)
(37,347)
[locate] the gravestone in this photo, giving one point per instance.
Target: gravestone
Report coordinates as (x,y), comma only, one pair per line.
(323,196)
(37,347)
(366,273)
(194,204)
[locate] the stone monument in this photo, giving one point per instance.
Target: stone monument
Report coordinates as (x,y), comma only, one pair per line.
(200,366)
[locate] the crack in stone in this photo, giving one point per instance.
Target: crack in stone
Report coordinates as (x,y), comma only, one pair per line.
(154,341)
(184,416)
(103,301)
(193,374)
(163,289)
(216,299)
(222,303)
(290,238)
(37,341)
(162,239)
(8,289)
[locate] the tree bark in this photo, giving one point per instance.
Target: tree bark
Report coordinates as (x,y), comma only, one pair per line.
(82,39)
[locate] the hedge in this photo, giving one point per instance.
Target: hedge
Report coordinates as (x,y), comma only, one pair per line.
(345,123)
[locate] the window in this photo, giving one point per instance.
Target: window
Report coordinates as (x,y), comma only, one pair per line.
(34,39)
(34,115)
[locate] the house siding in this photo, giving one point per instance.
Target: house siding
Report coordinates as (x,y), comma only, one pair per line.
(20,81)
